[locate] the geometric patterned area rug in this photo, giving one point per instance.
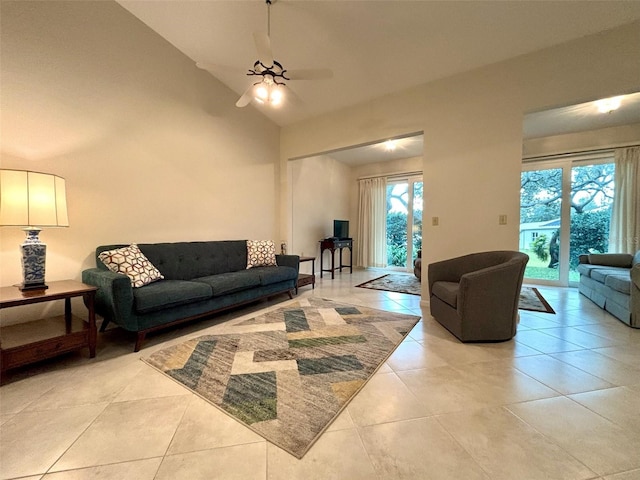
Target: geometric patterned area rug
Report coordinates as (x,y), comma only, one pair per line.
(288,373)
(532,299)
(394,282)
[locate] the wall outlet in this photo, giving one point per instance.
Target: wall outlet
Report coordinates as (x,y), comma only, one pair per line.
(435,221)
(502,219)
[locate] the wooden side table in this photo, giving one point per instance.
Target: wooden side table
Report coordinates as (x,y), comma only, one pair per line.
(37,340)
(305,278)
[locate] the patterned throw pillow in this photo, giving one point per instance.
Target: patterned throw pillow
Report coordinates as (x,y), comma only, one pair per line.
(132,262)
(261,253)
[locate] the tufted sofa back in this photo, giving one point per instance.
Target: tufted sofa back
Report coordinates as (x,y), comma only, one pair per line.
(188,260)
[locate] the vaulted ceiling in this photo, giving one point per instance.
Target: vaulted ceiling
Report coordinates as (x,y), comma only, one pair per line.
(373,47)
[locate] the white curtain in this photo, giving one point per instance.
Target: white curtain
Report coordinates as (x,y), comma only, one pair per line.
(372,223)
(624,235)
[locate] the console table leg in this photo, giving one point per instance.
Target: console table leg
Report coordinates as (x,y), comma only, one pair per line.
(333,263)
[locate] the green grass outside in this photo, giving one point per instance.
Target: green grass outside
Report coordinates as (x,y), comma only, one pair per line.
(537,269)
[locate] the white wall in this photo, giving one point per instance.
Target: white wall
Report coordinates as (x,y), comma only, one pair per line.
(582,141)
(321,194)
(152,148)
(472,126)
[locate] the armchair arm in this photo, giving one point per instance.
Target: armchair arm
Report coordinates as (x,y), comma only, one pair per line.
(491,286)
(114,298)
(450,270)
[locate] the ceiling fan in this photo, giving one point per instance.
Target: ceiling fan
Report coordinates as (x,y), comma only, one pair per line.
(270,88)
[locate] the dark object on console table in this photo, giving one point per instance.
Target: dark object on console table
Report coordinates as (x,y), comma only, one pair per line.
(476,296)
(37,340)
(612,281)
(333,244)
(200,278)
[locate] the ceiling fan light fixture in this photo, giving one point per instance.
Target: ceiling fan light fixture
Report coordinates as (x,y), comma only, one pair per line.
(608,105)
(269,93)
(276,96)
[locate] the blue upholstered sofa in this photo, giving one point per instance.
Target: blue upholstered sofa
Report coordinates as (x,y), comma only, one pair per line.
(200,278)
(612,281)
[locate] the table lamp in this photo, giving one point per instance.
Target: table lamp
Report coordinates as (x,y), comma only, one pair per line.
(32,200)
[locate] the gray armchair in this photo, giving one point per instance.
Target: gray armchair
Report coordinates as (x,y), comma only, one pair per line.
(476,296)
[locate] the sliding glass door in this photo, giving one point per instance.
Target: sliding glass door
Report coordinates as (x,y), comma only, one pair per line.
(404,222)
(565,211)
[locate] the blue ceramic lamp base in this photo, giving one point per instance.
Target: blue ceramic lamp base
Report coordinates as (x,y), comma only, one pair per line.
(33,261)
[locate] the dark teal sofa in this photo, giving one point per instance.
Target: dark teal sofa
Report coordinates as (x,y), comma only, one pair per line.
(200,278)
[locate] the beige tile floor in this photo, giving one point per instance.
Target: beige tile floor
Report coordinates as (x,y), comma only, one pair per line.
(560,401)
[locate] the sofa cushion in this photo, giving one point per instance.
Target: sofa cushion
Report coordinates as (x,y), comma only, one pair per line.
(133,263)
(261,253)
(188,260)
(270,275)
(619,283)
(447,292)
(586,269)
(230,282)
(611,259)
(600,274)
(169,293)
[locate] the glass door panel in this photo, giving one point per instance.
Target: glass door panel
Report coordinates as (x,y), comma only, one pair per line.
(592,191)
(397,222)
(417,220)
(540,222)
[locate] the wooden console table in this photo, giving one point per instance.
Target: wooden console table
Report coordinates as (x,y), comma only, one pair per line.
(37,340)
(333,244)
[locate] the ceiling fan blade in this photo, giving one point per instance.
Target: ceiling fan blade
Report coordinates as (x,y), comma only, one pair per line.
(292,97)
(246,97)
(309,74)
(216,68)
(263,46)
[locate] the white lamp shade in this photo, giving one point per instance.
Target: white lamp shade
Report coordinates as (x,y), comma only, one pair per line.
(32,199)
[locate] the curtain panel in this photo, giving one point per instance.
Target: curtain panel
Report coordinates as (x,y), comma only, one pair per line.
(624,235)
(372,223)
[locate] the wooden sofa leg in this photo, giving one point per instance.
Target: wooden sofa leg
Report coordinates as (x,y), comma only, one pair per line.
(290,292)
(139,341)
(103,325)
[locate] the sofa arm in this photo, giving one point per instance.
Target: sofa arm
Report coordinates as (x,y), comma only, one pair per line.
(292,261)
(635,275)
(114,298)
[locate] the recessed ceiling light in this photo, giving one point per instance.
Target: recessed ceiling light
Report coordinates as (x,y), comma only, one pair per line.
(390,145)
(608,105)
